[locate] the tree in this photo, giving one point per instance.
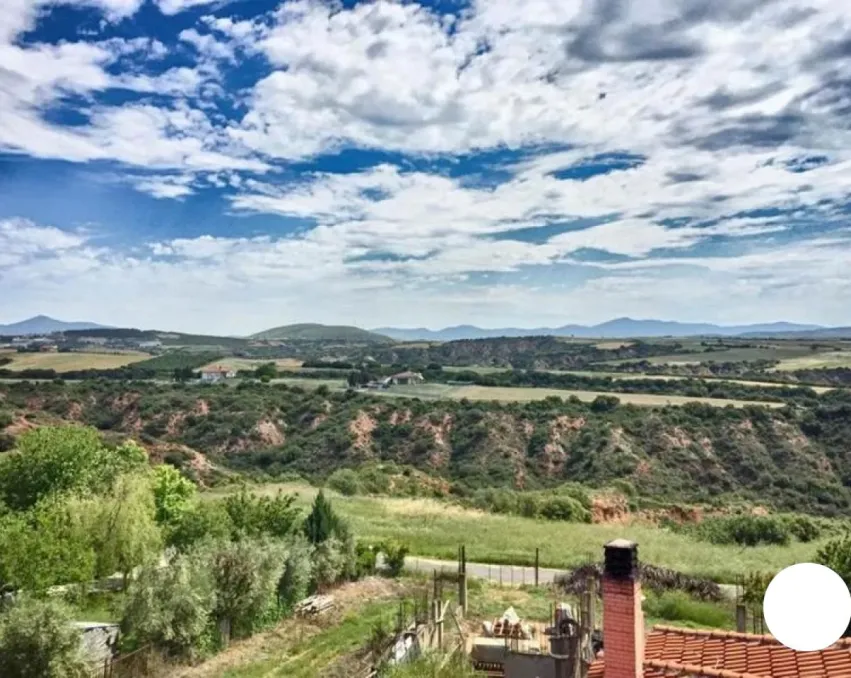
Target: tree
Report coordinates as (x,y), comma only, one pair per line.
(268,370)
(345,481)
(170,608)
(203,521)
(182,374)
(322,523)
(836,554)
(45,546)
(38,639)
(295,580)
(51,460)
(328,564)
(123,526)
(253,516)
(173,494)
(245,575)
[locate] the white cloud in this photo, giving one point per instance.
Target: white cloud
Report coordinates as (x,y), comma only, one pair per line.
(170,7)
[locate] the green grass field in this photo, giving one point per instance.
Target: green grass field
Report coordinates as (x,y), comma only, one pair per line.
(307,383)
(518,394)
(67,362)
(435,529)
(816,360)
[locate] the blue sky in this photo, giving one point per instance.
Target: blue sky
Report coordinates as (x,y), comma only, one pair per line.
(220,166)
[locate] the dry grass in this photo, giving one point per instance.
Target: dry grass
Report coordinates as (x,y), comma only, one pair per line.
(816,361)
(252,363)
(643,399)
(613,345)
(68,362)
(428,507)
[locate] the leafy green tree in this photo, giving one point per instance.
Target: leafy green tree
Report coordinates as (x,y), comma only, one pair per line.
(38,639)
(345,481)
(173,494)
(123,526)
(254,516)
(204,521)
(267,370)
(836,554)
(328,564)
(245,575)
(182,374)
(295,581)
(322,523)
(51,460)
(45,546)
(170,608)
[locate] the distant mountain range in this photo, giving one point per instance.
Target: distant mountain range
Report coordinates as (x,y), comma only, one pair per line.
(316,332)
(619,328)
(42,324)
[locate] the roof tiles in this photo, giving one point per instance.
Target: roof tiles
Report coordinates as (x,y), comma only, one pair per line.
(671,652)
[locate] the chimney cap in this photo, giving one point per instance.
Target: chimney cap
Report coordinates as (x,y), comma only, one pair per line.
(621,544)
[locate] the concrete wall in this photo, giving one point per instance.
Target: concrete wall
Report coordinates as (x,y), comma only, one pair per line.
(521,665)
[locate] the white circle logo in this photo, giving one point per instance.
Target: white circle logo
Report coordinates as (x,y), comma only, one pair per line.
(807,607)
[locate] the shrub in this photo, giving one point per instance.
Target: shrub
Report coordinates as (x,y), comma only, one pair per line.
(322,523)
(394,557)
(203,521)
(245,575)
(345,481)
(563,508)
(365,560)
(328,564)
(252,516)
(803,528)
(37,639)
(745,530)
(836,554)
(170,609)
(678,606)
(295,580)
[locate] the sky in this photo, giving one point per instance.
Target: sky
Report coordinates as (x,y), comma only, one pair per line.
(226,166)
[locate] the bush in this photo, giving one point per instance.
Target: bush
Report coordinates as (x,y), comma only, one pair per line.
(322,523)
(252,516)
(295,580)
(204,521)
(245,575)
(394,557)
(745,530)
(328,564)
(563,508)
(37,639)
(677,606)
(170,609)
(803,528)
(365,560)
(836,554)
(345,481)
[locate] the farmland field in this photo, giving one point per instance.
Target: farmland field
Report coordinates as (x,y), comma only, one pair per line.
(625,376)
(67,362)
(519,394)
(435,528)
(253,363)
(733,354)
(334,384)
(814,361)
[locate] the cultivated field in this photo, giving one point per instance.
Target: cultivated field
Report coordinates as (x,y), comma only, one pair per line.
(632,377)
(732,354)
(252,363)
(67,362)
(333,384)
(434,528)
(519,394)
(816,361)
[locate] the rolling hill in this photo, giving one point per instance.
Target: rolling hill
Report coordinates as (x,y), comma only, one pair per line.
(42,324)
(612,329)
(317,332)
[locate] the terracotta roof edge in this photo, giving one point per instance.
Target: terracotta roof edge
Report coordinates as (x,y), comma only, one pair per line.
(715,633)
(697,670)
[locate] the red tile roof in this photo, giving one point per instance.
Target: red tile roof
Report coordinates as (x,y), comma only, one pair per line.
(685,653)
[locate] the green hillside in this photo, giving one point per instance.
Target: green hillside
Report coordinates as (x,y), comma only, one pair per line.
(317,332)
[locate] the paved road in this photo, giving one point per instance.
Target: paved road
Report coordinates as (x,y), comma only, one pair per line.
(508,575)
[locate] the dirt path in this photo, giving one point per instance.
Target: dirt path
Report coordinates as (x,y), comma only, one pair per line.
(291,632)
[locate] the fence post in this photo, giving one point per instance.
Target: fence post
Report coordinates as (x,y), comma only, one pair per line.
(537,563)
(462,583)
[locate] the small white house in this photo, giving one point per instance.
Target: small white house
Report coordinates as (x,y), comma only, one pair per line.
(217,373)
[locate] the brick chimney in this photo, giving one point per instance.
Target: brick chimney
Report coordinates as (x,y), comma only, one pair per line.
(623,619)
